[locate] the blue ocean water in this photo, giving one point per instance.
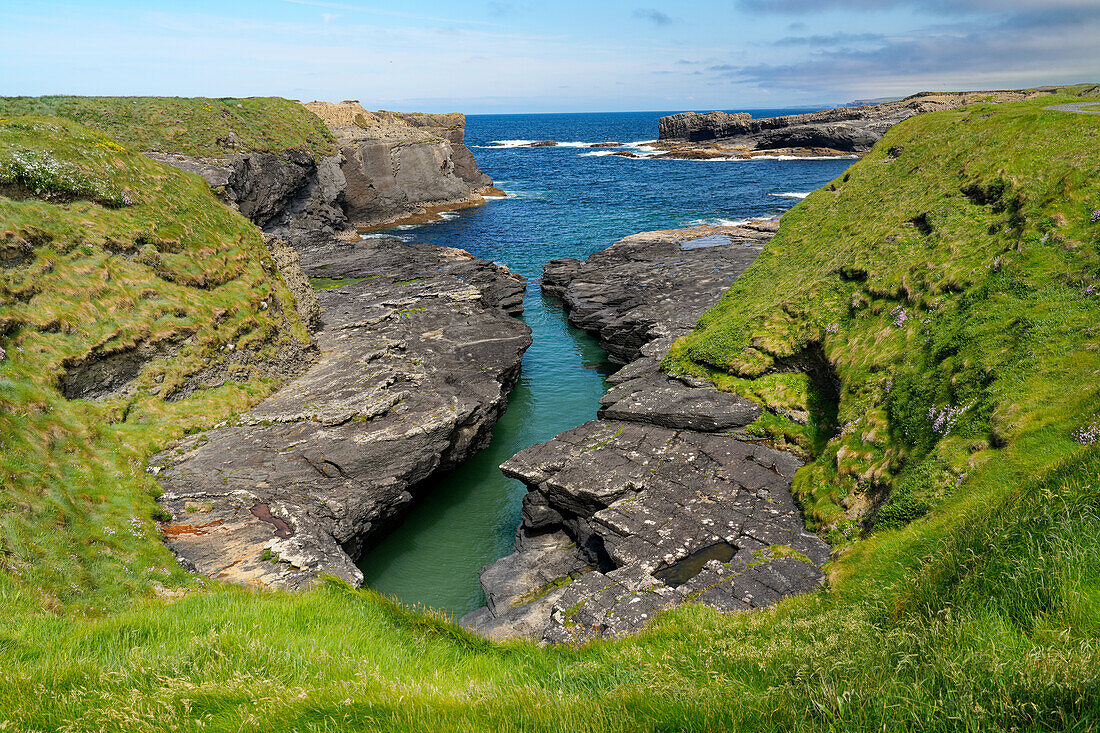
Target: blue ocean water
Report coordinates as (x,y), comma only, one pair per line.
(565,201)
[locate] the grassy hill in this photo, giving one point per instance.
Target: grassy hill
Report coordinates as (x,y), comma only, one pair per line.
(213,128)
(941,293)
(114,270)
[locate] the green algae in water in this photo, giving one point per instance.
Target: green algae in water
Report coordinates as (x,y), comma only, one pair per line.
(684,570)
(328,283)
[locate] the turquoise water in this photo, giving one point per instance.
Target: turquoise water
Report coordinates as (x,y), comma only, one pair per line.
(563,202)
(469,517)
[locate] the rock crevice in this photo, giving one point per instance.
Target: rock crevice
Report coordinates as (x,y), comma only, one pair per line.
(417,358)
(664,498)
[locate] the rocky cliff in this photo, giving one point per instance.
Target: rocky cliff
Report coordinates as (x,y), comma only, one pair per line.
(401,166)
(418,354)
(388,167)
(845,130)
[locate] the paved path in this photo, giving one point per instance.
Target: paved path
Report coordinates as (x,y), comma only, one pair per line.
(1078,107)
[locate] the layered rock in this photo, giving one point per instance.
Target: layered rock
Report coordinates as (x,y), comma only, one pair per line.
(289,193)
(418,355)
(401,166)
(841,131)
(391,166)
(664,499)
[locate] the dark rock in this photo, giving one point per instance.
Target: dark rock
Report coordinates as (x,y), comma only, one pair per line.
(537,512)
(852,129)
(393,260)
(545,144)
(653,497)
(288,193)
(415,369)
(661,497)
(646,286)
(659,400)
(263,184)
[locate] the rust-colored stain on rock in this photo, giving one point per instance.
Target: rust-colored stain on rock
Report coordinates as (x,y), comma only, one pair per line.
(263,513)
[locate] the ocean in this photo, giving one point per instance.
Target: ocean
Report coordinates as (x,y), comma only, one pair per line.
(565,201)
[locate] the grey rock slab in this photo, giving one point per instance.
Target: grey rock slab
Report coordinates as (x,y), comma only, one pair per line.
(391,260)
(644,287)
(413,374)
(664,401)
(661,483)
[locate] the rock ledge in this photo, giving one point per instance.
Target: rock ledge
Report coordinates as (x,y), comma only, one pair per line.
(664,499)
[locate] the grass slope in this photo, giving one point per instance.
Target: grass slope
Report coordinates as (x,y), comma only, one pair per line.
(151,261)
(982,614)
(213,128)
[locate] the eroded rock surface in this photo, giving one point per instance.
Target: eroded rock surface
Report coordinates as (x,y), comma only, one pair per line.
(401,165)
(417,360)
(664,499)
(653,285)
(390,166)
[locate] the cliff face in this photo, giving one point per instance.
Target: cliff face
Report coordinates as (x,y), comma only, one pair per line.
(401,165)
(844,130)
(387,167)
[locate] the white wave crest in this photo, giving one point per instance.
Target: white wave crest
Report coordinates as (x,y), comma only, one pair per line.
(791,195)
(385,235)
(720,222)
(507,144)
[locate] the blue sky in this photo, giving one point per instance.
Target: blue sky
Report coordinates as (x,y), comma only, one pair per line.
(526,56)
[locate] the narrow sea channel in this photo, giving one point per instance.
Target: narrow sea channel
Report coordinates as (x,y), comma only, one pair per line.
(564,201)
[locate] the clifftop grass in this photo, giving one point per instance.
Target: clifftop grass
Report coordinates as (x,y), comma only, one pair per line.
(113,267)
(983,614)
(212,128)
(948,283)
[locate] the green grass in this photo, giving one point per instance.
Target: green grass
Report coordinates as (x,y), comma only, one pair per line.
(949,285)
(84,280)
(214,128)
(980,611)
(328,283)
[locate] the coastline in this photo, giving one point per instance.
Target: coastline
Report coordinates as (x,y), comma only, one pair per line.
(665,498)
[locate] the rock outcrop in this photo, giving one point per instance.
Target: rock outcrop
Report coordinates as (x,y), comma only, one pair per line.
(391,166)
(418,355)
(664,499)
(841,131)
(289,194)
(401,166)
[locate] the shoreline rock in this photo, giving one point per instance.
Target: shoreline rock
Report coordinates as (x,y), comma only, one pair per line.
(418,356)
(664,498)
(392,168)
(842,131)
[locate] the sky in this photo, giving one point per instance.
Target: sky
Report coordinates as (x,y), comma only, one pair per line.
(516,56)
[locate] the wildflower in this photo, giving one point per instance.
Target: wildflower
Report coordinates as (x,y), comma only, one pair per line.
(1090,290)
(1088,435)
(900,316)
(1095,216)
(832,328)
(944,418)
